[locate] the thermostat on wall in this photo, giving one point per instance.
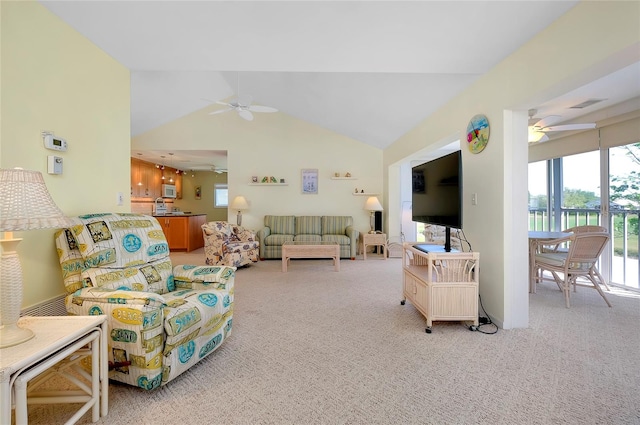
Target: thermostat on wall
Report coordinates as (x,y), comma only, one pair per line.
(54,143)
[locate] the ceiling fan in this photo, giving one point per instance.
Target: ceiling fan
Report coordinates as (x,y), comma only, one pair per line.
(242,104)
(538,127)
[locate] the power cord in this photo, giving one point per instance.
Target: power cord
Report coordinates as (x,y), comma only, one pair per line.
(465,239)
(484,321)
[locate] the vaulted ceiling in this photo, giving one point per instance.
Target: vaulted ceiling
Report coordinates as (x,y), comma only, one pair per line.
(371,70)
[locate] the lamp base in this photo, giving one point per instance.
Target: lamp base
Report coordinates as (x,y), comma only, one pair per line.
(11,335)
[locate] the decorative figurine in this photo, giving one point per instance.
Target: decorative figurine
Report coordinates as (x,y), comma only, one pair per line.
(348,175)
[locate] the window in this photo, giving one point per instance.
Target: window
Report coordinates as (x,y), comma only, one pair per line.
(221,196)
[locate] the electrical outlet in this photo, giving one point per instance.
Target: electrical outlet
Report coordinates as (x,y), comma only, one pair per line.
(119,198)
(474,199)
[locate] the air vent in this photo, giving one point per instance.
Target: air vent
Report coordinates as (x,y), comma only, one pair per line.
(586,103)
(52,307)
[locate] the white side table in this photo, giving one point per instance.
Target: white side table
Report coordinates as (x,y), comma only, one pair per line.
(56,337)
(374,239)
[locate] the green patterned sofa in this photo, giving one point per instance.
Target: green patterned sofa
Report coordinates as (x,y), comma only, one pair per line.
(161,319)
(308,228)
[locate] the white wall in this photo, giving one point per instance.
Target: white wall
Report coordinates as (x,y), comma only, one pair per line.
(579,47)
(54,79)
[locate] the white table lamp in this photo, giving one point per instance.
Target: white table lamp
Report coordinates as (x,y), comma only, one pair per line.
(373,205)
(25,204)
(239,203)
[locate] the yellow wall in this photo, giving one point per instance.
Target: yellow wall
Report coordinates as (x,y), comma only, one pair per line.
(54,79)
(206,180)
(281,146)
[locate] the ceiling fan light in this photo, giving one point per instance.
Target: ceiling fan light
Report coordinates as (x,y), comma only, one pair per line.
(534,135)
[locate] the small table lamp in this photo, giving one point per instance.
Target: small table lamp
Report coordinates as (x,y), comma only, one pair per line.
(239,203)
(25,204)
(372,205)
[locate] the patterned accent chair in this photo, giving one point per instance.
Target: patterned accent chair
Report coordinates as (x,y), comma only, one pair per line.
(434,234)
(162,319)
(229,245)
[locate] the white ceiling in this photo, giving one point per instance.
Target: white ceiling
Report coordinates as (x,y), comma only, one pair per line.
(371,70)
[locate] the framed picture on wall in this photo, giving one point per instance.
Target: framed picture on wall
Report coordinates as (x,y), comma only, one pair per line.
(198,192)
(310,181)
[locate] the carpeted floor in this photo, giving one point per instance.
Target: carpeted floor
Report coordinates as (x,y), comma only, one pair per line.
(315,346)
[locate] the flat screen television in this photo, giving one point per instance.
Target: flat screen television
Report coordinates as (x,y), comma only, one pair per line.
(437,193)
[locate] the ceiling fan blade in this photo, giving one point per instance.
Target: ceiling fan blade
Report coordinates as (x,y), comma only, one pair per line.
(568,127)
(221,111)
(258,108)
(246,114)
(219,102)
(548,120)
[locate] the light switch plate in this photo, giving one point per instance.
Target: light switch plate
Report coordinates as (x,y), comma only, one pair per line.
(54,164)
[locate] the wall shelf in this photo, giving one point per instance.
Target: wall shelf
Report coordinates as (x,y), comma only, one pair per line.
(268,184)
(364,194)
(344,178)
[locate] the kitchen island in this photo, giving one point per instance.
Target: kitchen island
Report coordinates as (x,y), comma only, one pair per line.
(182,230)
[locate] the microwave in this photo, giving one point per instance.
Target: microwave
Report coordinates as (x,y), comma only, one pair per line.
(169,191)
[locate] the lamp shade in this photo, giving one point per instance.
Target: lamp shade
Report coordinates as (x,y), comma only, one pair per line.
(373,204)
(25,203)
(239,203)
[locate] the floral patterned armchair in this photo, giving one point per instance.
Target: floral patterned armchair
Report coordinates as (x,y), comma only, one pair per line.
(229,245)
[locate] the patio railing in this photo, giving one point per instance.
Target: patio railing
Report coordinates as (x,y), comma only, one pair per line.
(624,225)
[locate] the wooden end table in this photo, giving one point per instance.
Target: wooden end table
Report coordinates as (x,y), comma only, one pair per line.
(56,339)
(374,239)
(292,249)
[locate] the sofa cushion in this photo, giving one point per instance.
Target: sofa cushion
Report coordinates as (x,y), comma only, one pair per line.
(149,277)
(277,239)
(308,238)
(281,224)
(335,225)
(341,239)
(222,229)
(116,240)
(309,225)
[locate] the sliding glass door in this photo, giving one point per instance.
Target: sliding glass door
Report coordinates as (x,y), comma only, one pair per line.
(624,209)
(570,191)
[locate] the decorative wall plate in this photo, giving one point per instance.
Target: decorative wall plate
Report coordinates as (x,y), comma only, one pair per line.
(478,133)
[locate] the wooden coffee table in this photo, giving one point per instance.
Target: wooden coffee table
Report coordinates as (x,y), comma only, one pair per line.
(310,250)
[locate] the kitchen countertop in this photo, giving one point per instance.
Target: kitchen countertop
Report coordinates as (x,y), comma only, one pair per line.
(186,214)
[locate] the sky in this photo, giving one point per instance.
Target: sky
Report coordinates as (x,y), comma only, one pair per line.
(581,171)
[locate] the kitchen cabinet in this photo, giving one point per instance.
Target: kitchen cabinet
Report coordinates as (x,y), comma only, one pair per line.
(178,183)
(183,232)
(145,180)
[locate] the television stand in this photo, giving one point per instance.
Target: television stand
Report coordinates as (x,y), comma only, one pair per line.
(427,248)
(441,285)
